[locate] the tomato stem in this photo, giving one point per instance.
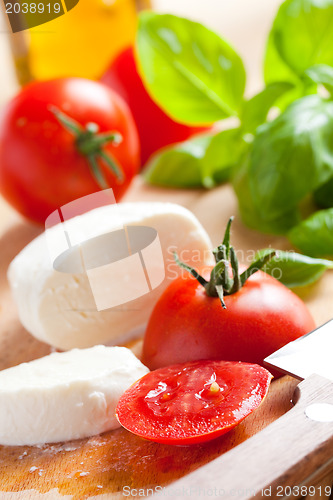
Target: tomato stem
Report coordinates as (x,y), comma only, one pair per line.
(112,165)
(68,123)
(90,144)
(256,266)
(220,292)
(237,284)
(221,283)
(194,273)
(97,173)
(214,287)
(226,238)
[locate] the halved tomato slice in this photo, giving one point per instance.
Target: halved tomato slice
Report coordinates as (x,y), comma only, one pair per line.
(192,402)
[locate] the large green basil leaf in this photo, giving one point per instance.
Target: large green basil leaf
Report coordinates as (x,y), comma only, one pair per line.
(194,75)
(302,35)
(250,215)
(201,161)
(275,69)
(291,156)
(293,269)
(256,109)
(314,236)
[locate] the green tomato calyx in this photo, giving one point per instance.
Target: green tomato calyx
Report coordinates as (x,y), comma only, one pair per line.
(221,281)
(89,142)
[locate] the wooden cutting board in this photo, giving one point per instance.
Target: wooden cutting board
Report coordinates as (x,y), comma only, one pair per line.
(118,463)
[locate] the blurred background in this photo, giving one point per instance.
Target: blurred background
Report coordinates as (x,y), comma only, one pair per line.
(52,46)
(245,24)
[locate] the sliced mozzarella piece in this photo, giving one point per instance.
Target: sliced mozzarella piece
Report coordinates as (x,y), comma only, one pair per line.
(65,396)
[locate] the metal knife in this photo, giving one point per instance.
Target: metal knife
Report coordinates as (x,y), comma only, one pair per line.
(293,452)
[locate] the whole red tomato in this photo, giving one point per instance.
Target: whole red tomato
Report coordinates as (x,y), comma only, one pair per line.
(235,316)
(45,164)
(186,324)
(156,129)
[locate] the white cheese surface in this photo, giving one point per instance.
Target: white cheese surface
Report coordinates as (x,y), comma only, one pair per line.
(59,307)
(65,396)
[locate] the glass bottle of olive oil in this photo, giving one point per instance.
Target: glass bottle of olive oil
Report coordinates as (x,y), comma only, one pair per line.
(80,43)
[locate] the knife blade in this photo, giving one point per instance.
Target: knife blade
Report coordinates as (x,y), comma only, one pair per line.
(312,353)
(295,450)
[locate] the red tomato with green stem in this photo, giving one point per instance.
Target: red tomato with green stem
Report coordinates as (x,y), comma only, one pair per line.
(258,315)
(192,402)
(156,129)
(64,139)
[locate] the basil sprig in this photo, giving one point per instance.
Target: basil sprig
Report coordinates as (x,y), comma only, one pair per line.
(281,168)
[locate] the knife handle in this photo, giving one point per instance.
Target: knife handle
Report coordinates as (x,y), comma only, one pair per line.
(292,451)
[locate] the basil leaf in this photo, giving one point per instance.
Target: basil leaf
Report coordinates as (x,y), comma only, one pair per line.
(275,69)
(202,161)
(302,34)
(192,73)
(293,269)
(178,165)
(255,110)
(223,152)
(292,156)
(250,215)
(314,236)
(321,73)
(323,196)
